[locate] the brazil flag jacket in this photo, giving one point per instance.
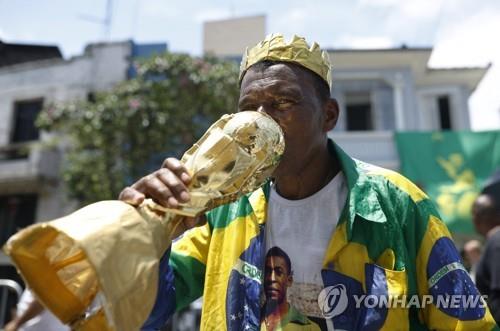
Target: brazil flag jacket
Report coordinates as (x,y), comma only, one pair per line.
(389,244)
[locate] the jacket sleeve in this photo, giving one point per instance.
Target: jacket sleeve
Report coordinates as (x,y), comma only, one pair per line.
(449,299)
(182,275)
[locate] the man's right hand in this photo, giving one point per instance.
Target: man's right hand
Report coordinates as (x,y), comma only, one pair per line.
(166,186)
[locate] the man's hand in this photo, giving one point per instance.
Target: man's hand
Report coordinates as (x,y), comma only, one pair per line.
(166,186)
(12,326)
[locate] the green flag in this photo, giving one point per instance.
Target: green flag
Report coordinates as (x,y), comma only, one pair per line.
(451,168)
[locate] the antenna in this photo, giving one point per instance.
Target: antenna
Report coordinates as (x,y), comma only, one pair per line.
(232,9)
(106,22)
(108,19)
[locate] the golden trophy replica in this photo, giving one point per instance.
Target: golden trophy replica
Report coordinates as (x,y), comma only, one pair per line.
(97,269)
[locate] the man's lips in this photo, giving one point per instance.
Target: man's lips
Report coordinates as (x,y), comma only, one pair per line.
(272,290)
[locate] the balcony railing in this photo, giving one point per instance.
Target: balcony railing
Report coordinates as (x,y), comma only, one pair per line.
(26,162)
(376,147)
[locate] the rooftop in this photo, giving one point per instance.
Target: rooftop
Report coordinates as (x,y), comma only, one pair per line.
(11,54)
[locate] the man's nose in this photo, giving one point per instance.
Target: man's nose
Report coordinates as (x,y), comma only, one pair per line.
(270,277)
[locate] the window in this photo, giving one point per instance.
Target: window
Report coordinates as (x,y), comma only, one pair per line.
(16,211)
(91,97)
(358,112)
(25,114)
(444,112)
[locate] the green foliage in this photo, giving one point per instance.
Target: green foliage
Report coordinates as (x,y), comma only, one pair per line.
(127,132)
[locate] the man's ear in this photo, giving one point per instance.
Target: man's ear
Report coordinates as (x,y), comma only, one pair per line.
(331,111)
(289,280)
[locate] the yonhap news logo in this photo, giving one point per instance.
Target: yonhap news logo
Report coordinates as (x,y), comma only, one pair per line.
(332,300)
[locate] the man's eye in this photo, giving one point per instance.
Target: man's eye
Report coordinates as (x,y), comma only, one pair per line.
(248,108)
(284,103)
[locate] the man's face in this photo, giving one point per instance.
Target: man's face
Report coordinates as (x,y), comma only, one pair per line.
(480,215)
(287,93)
(277,279)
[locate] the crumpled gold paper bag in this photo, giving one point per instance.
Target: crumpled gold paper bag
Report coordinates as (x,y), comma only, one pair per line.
(97,269)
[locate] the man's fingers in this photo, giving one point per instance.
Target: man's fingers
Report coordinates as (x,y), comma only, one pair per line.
(167,186)
(178,169)
(155,188)
(176,186)
(131,196)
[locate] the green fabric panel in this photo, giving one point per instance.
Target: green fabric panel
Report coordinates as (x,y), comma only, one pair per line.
(220,217)
(451,167)
(347,164)
(415,324)
(397,209)
(189,279)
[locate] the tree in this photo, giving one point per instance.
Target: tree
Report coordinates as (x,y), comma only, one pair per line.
(125,133)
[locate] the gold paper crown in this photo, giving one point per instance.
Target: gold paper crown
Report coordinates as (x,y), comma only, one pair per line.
(274,48)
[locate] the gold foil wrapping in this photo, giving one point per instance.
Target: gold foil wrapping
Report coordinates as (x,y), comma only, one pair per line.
(275,48)
(97,269)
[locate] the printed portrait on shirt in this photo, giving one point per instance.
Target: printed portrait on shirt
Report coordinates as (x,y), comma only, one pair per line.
(278,313)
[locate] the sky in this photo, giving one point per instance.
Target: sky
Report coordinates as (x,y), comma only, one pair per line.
(463,32)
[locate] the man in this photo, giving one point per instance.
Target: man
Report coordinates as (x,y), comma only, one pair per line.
(486,218)
(359,229)
(279,314)
(472,255)
(32,316)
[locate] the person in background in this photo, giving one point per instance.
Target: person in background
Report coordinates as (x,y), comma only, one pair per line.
(472,255)
(486,219)
(32,316)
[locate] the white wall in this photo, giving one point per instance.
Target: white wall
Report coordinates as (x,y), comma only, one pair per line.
(99,68)
(231,37)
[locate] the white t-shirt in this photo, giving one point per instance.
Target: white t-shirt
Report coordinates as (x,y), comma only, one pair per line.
(46,321)
(302,229)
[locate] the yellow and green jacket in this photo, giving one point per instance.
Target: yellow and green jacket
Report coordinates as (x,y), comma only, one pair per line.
(389,241)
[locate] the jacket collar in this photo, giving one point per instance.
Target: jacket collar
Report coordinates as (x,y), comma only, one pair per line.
(362,199)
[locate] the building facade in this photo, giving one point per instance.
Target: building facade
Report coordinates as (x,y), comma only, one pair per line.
(388,90)
(31,189)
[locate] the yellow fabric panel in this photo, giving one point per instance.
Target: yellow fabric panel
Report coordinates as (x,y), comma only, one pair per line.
(441,321)
(397,285)
(338,241)
(259,205)
(351,262)
(387,259)
(435,230)
(342,253)
(194,243)
(227,244)
(397,317)
(401,182)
